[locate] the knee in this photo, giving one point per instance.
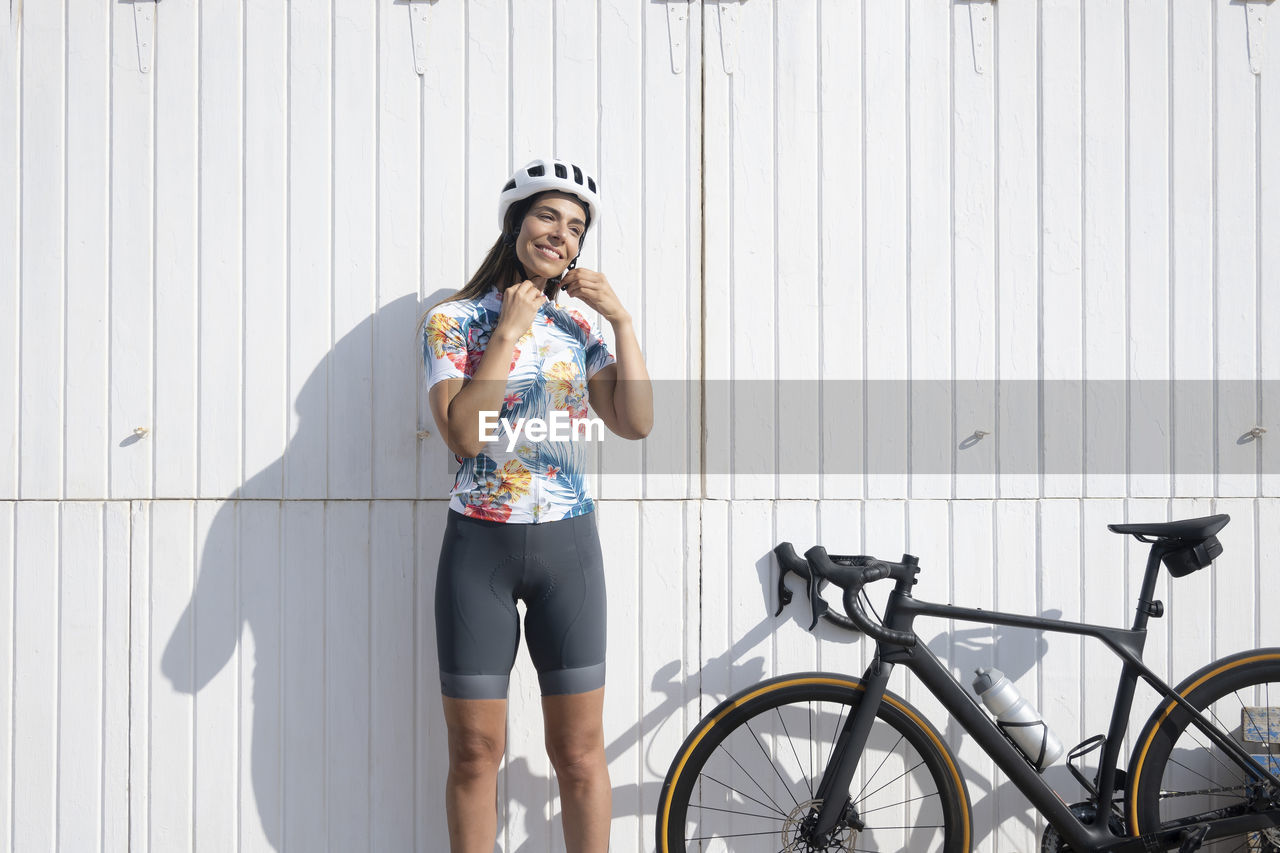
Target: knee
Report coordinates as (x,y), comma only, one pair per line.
(475,754)
(577,759)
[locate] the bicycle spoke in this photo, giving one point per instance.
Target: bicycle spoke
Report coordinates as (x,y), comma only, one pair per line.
(791,743)
(776,771)
(743,794)
(876,772)
(753,779)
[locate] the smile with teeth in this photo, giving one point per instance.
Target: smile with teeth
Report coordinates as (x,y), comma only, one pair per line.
(549,252)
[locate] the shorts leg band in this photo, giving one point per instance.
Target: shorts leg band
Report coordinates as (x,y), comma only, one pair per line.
(562,682)
(473,686)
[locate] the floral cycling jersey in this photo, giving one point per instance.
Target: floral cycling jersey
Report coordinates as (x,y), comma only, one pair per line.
(536,481)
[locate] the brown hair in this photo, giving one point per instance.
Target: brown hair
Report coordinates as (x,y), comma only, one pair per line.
(500,265)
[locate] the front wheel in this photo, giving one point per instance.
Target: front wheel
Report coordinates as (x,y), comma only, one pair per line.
(1179,778)
(746,778)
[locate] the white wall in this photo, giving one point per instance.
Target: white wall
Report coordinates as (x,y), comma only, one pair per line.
(220,633)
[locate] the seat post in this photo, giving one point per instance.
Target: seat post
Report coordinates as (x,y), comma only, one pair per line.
(1147,594)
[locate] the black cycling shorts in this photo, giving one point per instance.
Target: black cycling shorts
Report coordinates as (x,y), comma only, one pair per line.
(556,569)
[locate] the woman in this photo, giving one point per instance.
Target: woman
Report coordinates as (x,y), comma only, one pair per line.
(521,522)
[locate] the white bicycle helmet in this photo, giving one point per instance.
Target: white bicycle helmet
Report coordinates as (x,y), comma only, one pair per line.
(541,176)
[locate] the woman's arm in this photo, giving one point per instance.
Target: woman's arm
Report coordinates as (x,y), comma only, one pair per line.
(621,393)
(456,404)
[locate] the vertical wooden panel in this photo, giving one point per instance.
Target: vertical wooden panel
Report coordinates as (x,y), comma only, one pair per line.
(345,623)
(304,750)
(1018,199)
(41,368)
(1269,277)
(717,229)
(973,282)
(397,722)
(36,622)
(884,99)
(132,300)
(221,267)
(797,230)
(1017,564)
(1235,580)
(753,424)
(1192,242)
(216,627)
(431,753)
(1268,552)
(310,264)
(177,306)
(445,262)
(80,668)
(350,407)
(1060,588)
(928,289)
(665,684)
(173,675)
(1102,137)
(1149,250)
(259,566)
(626,537)
(266,148)
(138,814)
(88,123)
(8,663)
(400,172)
(842,213)
(10,253)
(1061,300)
(1236,154)
(487,77)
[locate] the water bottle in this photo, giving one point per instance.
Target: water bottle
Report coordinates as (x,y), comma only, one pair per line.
(1020,721)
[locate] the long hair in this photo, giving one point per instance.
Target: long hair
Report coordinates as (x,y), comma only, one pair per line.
(500,265)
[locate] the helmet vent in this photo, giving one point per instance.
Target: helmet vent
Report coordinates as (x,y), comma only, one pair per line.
(577,175)
(561,171)
(511,184)
(537,171)
(591,184)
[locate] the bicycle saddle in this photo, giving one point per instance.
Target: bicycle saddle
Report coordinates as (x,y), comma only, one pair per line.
(1187,528)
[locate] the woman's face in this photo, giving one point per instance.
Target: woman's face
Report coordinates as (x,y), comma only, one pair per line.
(550,234)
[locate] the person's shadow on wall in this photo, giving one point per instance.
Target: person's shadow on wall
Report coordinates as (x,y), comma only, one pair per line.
(341,730)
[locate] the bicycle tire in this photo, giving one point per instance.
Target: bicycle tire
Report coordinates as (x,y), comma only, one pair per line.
(1175,771)
(909,790)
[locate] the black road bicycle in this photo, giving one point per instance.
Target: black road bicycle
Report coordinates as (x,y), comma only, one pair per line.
(829,762)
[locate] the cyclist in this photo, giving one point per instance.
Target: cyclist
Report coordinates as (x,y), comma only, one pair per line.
(501,353)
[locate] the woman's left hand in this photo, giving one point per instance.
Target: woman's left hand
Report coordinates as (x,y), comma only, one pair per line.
(594,289)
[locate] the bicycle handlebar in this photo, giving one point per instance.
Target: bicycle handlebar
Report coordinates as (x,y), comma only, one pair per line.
(848,573)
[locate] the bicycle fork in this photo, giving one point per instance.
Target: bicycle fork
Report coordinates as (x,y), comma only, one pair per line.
(833,790)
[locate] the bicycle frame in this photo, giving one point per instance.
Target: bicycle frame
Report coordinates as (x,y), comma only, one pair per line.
(900,614)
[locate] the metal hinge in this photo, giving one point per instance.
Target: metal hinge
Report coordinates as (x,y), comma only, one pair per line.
(677,32)
(728,10)
(1255,18)
(418,33)
(144,29)
(981,33)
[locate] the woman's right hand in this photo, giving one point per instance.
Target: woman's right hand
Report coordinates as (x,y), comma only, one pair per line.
(520,304)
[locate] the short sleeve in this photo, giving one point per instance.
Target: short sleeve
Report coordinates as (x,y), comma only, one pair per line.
(597,353)
(444,348)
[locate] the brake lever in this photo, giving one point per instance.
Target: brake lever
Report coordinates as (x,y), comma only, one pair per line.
(784,594)
(817,604)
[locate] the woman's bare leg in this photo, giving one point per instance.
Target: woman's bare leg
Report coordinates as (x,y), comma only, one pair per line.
(575,743)
(477,738)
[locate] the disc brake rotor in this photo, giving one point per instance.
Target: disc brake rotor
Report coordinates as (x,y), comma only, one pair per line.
(793,841)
